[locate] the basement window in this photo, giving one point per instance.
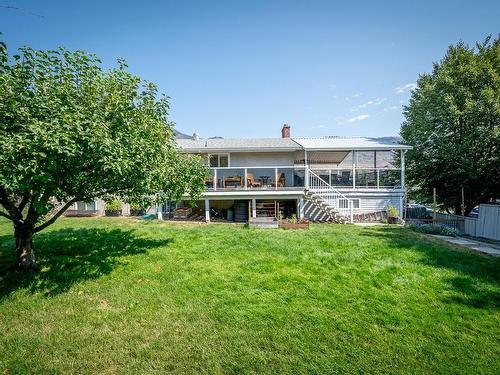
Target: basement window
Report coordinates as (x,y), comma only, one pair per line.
(344,203)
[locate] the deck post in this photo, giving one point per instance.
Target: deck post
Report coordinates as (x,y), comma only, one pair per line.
(300,207)
(306,171)
(207,210)
(254,207)
(215,179)
(353,169)
(402,169)
(352,211)
(246,179)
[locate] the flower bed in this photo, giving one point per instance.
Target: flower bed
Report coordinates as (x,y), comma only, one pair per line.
(300,224)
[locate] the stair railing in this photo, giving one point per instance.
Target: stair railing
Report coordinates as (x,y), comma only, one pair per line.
(330,195)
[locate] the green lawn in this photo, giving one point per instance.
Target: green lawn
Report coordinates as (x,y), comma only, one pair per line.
(123,296)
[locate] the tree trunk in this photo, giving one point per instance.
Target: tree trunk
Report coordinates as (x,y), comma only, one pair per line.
(25,255)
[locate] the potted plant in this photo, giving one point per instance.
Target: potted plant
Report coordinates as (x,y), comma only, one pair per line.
(136,209)
(392,215)
(113,208)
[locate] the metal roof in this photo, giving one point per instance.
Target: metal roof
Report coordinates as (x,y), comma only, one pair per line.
(289,144)
(241,144)
(349,143)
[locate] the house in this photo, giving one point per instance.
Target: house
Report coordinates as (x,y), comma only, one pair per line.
(322,179)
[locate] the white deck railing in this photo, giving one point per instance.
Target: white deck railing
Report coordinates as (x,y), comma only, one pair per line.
(295,178)
(330,195)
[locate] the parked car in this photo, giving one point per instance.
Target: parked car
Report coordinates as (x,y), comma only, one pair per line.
(474,212)
(418,211)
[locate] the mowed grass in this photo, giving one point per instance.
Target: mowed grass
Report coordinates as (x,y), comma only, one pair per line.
(127,296)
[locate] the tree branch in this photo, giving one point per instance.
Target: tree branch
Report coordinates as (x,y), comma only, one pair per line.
(54,218)
(8,205)
(24,202)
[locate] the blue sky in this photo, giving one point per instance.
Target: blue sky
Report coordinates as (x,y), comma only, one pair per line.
(243,68)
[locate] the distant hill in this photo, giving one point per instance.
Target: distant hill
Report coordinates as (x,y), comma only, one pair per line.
(388,140)
(179,135)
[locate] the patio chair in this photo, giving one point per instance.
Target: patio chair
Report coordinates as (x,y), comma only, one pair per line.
(209,182)
(251,182)
(281,180)
(345,177)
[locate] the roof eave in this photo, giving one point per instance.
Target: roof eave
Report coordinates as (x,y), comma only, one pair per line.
(240,149)
(364,148)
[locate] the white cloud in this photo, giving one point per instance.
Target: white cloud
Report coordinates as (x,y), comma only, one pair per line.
(318,126)
(376,101)
(332,85)
(358,118)
(353,96)
(402,101)
(335,96)
(390,108)
(405,88)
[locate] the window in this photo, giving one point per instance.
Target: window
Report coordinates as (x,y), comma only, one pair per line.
(355,203)
(218,160)
(85,206)
(344,203)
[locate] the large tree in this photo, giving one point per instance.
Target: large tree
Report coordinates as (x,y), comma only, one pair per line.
(72,131)
(453,123)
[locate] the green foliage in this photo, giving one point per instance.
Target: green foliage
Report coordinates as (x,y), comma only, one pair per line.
(435,229)
(392,211)
(453,123)
(71,131)
(136,206)
(114,205)
(293,219)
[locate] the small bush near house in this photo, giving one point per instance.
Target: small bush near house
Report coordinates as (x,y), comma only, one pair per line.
(113,205)
(136,209)
(392,215)
(435,229)
(392,211)
(113,208)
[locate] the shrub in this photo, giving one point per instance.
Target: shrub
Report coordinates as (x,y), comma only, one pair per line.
(435,229)
(136,206)
(392,211)
(293,219)
(113,205)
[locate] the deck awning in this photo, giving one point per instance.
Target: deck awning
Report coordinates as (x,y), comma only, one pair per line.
(349,144)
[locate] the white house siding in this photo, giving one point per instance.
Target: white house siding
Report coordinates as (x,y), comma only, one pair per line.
(262,159)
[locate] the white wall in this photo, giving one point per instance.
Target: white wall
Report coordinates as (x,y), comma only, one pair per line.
(264,159)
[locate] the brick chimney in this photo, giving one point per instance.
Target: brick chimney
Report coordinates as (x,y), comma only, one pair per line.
(285,131)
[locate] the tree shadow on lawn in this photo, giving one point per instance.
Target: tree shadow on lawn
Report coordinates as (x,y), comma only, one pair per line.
(68,256)
(479,282)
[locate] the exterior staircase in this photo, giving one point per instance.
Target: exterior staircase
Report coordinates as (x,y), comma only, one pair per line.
(323,212)
(322,202)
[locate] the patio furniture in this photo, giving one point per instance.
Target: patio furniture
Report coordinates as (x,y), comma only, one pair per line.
(232,181)
(281,179)
(345,177)
(209,182)
(265,180)
(251,182)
